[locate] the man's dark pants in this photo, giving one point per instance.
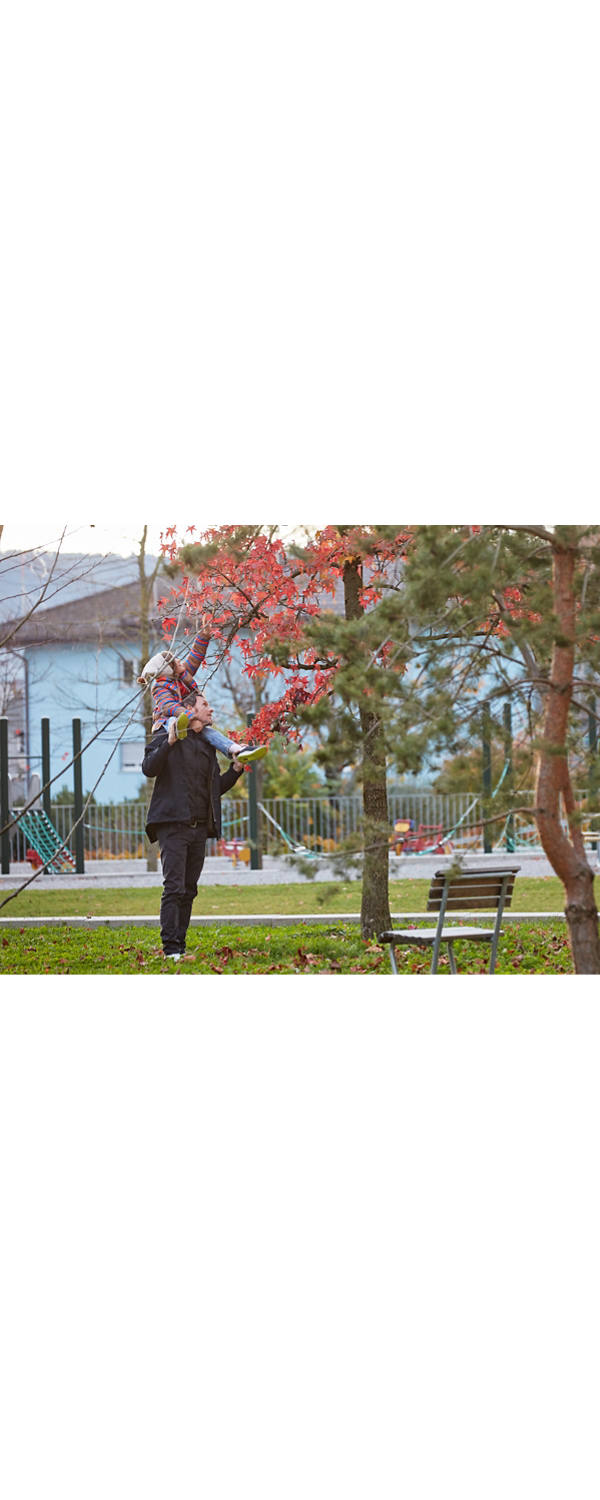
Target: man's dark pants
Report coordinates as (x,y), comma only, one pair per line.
(182,849)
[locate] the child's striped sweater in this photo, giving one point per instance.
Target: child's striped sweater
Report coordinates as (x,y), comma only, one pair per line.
(168,692)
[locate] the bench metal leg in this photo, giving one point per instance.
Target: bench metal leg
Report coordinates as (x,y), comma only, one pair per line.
(393,959)
(453,968)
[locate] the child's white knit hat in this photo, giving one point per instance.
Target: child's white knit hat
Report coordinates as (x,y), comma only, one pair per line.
(158,666)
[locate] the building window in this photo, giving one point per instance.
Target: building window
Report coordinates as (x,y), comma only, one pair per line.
(127,669)
(132,755)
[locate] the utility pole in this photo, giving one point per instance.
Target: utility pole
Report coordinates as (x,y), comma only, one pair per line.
(46,799)
(510,823)
(255,850)
(486,745)
(78,798)
(4,807)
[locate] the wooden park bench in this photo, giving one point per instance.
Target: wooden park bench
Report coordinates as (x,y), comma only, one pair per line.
(487,890)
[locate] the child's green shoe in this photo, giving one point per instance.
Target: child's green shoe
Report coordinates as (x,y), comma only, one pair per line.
(247,756)
(181,726)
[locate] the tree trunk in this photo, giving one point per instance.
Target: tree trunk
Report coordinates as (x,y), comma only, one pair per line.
(375,902)
(553,782)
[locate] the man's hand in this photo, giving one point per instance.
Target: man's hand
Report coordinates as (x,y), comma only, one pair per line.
(237,765)
(172,735)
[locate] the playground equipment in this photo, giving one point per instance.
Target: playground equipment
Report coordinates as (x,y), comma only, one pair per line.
(295,848)
(241,849)
(35,824)
(45,843)
(426,839)
(238,849)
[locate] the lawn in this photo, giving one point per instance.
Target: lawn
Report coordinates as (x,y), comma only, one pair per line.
(297,899)
(320,949)
(527,948)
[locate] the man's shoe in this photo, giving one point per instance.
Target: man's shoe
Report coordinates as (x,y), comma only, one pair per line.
(247,756)
(181,726)
(174,957)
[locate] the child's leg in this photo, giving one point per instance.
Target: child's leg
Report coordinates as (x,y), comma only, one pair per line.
(237,751)
(176,726)
(219,741)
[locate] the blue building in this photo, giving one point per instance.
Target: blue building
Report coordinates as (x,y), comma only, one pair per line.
(77,656)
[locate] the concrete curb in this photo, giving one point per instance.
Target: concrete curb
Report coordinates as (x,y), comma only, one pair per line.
(266,920)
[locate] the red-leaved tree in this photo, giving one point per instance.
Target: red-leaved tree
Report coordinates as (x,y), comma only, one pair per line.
(313,620)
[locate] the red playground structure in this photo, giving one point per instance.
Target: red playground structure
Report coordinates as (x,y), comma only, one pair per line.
(426,838)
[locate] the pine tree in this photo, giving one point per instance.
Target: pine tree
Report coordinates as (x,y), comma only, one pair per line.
(512,614)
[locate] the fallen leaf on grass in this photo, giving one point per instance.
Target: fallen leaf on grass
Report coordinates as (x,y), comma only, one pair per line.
(304,960)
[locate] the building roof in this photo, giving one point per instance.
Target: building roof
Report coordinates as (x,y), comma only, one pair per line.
(76,575)
(86,596)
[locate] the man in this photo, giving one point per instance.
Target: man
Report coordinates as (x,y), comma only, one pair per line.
(184,811)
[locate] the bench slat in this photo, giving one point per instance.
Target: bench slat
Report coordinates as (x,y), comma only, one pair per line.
(469,894)
(468,903)
(449,934)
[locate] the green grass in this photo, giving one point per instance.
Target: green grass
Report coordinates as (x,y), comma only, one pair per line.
(526,948)
(297,899)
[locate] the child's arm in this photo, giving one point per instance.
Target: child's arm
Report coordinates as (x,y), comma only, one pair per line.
(196,656)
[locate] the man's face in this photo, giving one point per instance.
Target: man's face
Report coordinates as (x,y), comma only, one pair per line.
(201,714)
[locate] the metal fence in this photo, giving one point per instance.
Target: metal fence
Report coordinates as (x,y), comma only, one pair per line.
(320,823)
(323,823)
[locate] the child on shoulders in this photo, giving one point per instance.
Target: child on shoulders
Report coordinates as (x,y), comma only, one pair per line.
(171,678)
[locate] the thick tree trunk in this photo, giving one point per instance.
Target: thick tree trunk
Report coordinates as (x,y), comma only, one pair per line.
(566,855)
(375,902)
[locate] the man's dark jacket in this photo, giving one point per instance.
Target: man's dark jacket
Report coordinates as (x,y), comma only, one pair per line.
(174,799)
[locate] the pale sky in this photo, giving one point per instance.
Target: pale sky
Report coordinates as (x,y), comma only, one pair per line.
(102,536)
(123,538)
(80,537)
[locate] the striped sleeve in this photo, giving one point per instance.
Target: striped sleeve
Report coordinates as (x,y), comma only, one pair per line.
(197,654)
(166,697)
